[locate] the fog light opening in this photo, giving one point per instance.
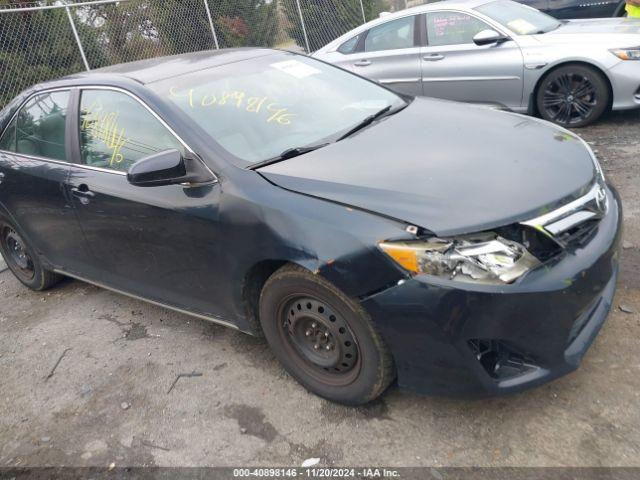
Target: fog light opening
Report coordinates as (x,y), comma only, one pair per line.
(500,360)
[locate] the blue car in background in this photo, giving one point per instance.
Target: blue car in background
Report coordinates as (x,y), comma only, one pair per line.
(579,8)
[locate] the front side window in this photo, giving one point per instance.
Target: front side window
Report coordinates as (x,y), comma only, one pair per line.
(392,35)
(452,28)
(258,108)
(40,127)
(116,131)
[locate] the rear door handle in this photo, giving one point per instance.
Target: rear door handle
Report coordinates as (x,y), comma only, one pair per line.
(83,194)
(362,63)
(434,57)
(1,177)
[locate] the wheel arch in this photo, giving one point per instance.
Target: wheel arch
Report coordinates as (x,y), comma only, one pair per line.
(533,107)
(254,280)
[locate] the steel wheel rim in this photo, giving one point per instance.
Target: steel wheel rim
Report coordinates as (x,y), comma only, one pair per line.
(570,98)
(17,253)
(319,339)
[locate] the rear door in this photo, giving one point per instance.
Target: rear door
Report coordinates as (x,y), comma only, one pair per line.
(389,53)
(34,169)
(455,68)
(159,243)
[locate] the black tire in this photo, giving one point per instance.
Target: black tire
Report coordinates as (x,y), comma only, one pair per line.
(352,366)
(22,260)
(573,96)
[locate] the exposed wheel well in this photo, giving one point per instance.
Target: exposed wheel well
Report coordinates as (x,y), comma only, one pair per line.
(534,106)
(252,287)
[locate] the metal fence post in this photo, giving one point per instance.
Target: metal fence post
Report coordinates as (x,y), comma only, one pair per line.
(304,28)
(364,19)
(77,37)
(213,30)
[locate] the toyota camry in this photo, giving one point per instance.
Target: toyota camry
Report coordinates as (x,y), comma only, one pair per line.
(369,236)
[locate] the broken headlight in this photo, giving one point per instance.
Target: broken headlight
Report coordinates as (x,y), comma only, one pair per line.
(484,258)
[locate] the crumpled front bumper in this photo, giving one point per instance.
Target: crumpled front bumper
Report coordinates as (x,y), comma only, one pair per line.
(546,321)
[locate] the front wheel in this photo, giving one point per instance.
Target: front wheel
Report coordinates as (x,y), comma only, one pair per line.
(323,339)
(573,96)
(22,260)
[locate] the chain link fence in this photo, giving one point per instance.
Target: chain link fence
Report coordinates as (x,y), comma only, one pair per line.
(43,40)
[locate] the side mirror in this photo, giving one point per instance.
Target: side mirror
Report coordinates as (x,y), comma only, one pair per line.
(167,168)
(489,37)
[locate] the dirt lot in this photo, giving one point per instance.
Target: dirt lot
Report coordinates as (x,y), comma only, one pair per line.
(110,397)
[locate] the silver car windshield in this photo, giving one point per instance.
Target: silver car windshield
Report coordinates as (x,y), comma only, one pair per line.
(259,108)
(520,19)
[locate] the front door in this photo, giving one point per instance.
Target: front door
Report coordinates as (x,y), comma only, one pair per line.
(159,243)
(390,55)
(34,169)
(455,68)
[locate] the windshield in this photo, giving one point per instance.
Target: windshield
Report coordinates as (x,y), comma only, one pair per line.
(258,108)
(518,18)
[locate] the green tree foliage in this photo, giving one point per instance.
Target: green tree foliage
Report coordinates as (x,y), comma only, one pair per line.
(243,23)
(183,25)
(325,20)
(123,32)
(34,46)
(37,46)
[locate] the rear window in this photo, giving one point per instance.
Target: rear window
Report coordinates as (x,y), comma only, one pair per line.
(392,35)
(40,128)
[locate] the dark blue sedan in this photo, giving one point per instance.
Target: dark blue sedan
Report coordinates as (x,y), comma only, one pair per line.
(367,235)
(566,9)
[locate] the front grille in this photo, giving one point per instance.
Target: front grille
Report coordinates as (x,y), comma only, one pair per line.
(579,235)
(574,224)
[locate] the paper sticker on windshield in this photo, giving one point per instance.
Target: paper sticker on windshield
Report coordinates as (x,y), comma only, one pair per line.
(522,27)
(296,69)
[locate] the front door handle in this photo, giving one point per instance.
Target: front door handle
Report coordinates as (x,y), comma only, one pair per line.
(1,177)
(83,194)
(434,57)
(363,63)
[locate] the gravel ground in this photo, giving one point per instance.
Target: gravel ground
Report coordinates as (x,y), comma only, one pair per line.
(109,399)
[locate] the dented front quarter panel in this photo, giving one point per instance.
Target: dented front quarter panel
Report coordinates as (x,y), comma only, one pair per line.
(267,223)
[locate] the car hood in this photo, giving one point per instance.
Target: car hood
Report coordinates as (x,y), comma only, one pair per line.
(447,167)
(623,32)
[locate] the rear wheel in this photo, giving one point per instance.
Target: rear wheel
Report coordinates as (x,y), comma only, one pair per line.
(22,261)
(573,96)
(323,339)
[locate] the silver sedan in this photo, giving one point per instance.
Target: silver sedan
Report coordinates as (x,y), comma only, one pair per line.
(500,53)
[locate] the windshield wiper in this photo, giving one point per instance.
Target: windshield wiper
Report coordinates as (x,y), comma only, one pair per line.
(365,123)
(287,154)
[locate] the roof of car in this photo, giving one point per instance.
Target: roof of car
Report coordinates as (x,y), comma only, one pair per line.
(161,68)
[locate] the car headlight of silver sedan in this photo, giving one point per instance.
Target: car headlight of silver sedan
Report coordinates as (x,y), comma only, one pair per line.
(627,53)
(481,258)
